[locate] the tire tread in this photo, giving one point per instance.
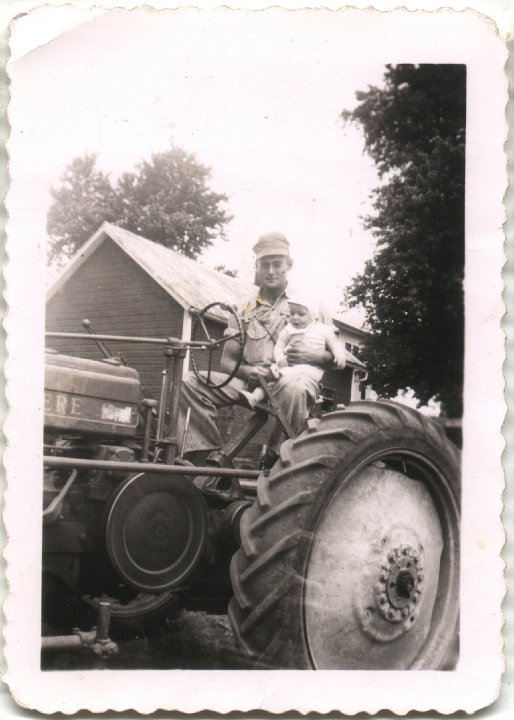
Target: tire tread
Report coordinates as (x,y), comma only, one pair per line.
(266,584)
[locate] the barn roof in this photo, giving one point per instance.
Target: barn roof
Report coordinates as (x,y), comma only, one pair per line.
(187,281)
(348,327)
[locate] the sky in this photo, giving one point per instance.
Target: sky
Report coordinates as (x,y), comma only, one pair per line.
(255,96)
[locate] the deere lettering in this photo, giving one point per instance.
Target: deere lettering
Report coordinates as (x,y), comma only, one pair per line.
(60,404)
(88,409)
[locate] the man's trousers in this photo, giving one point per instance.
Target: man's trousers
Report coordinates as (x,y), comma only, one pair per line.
(295,395)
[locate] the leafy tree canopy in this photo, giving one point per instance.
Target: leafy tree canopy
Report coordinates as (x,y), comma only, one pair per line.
(412,288)
(80,205)
(166,199)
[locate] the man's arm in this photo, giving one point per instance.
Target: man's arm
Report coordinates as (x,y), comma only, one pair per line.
(300,355)
(250,373)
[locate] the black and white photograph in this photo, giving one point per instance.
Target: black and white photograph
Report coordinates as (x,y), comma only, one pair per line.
(255,259)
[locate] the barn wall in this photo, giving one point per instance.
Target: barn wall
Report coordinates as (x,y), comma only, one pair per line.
(201,357)
(340,383)
(215,330)
(118,298)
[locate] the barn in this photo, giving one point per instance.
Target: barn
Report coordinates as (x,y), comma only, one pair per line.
(125,284)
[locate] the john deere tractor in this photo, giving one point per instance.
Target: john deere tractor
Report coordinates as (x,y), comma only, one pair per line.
(344,556)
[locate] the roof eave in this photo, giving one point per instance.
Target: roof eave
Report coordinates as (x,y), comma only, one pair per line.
(78,259)
(350,328)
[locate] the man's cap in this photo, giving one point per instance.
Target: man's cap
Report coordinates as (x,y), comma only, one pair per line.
(273,243)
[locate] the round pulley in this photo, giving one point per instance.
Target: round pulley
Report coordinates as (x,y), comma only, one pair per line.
(155,531)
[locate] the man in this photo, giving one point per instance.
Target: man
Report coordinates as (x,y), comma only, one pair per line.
(263,317)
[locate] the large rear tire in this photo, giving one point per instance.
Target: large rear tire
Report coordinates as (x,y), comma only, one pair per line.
(349,556)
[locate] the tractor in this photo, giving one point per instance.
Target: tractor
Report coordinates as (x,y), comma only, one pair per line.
(345,555)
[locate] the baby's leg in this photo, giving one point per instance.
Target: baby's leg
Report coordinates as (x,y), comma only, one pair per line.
(252,398)
(312,371)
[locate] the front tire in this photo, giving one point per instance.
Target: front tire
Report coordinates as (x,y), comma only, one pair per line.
(349,557)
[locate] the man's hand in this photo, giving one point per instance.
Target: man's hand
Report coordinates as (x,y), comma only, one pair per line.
(252,373)
(301,355)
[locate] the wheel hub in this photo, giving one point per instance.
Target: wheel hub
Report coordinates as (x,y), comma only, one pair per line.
(374,573)
(394,603)
(399,587)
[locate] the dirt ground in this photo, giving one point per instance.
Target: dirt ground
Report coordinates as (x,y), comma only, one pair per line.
(190,640)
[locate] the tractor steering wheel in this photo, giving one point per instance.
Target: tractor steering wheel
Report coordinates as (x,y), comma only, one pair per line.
(200,333)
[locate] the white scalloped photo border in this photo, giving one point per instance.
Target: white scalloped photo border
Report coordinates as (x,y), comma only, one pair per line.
(442,36)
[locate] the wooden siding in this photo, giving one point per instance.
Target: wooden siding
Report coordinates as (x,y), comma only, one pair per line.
(340,381)
(215,330)
(112,291)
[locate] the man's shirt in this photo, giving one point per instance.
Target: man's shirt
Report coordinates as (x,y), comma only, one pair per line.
(263,322)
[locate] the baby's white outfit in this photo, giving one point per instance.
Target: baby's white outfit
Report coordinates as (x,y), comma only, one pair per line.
(316,337)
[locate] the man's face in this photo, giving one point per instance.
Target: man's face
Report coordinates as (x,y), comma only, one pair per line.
(272,271)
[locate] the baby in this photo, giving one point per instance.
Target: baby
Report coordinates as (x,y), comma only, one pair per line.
(302,328)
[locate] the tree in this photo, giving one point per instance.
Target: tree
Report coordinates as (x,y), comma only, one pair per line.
(80,205)
(167,199)
(412,288)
